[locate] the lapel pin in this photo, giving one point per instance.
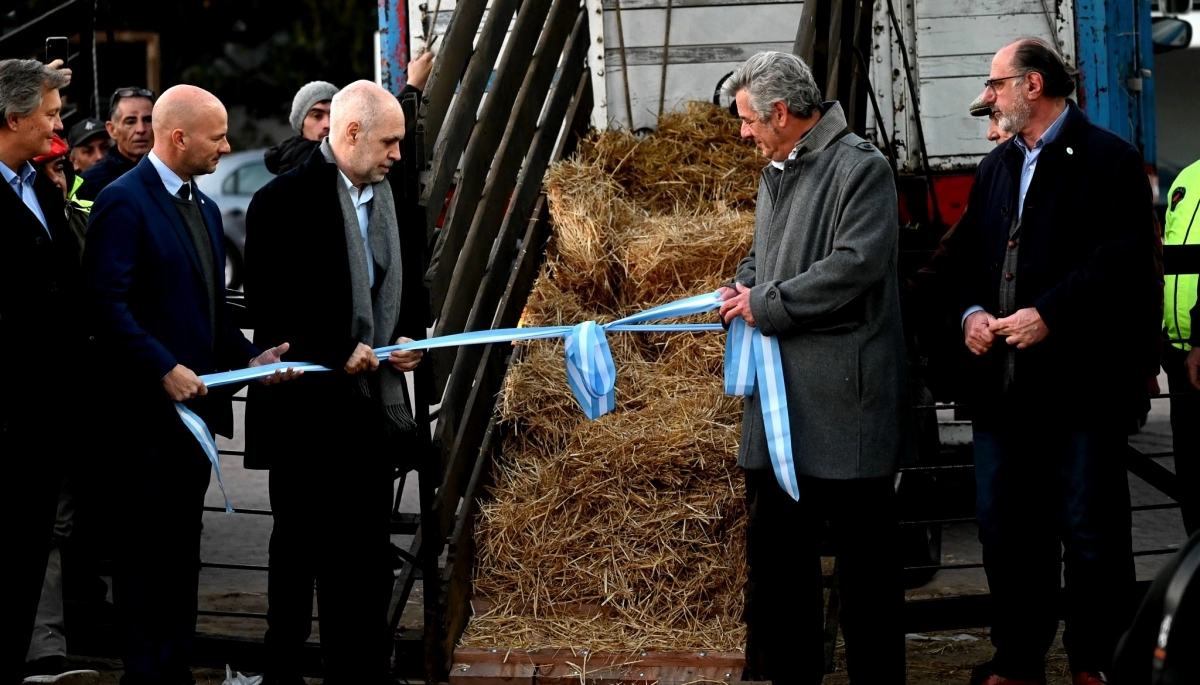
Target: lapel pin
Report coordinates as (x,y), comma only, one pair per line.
(1070,151)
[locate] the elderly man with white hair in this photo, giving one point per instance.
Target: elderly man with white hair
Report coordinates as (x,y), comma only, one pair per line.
(821,279)
(324,271)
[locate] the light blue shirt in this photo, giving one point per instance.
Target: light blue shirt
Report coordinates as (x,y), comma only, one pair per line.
(1027,168)
(1032,154)
(22,185)
(362,208)
(171,180)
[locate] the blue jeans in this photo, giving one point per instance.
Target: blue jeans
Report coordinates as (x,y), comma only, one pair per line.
(1049,496)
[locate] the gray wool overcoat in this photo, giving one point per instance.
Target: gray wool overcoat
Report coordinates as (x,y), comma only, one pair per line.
(822,272)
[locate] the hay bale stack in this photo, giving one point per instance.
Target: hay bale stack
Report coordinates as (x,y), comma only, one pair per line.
(627,532)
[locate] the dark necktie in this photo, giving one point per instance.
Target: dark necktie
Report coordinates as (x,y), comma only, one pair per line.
(185,192)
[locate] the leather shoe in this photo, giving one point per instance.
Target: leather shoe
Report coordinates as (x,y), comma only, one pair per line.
(1089,678)
(984,675)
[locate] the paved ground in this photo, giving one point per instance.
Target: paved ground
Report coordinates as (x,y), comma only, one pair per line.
(934,658)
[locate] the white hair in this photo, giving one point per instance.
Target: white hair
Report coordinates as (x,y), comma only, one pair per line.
(770,77)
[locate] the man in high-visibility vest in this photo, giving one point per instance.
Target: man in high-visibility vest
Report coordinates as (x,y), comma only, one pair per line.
(1181,353)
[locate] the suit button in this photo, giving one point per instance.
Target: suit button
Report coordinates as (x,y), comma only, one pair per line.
(40,240)
(1012,244)
(771,294)
(1008,277)
(91,338)
(53,286)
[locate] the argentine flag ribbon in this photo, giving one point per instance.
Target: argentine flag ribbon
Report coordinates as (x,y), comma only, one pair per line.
(591,372)
(752,361)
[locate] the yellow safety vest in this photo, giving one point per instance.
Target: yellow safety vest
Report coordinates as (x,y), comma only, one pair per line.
(1182,228)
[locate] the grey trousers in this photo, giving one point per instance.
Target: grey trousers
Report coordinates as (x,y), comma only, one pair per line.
(49,638)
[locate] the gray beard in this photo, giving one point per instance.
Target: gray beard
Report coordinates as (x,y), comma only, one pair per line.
(1012,122)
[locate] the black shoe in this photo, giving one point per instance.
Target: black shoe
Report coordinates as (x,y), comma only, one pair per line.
(58,670)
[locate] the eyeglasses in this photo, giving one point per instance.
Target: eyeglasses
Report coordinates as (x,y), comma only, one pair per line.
(990,84)
(123,93)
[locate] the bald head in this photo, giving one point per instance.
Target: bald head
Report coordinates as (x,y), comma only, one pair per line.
(190,127)
(366,126)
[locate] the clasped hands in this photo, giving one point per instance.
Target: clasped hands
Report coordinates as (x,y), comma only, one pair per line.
(735,303)
(183,384)
(1024,328)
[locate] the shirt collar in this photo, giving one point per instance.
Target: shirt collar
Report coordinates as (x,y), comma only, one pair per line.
(360,197)
(26,173)
(1050,134)
(170,179)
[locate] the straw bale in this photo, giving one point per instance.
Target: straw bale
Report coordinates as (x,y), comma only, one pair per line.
(665,256)
(695,160)
(627,532)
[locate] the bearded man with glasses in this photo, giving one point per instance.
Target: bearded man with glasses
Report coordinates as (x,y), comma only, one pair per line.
(130,125)
(1054,282)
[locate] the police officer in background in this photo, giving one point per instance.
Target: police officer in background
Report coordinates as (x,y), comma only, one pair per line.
(1181,358)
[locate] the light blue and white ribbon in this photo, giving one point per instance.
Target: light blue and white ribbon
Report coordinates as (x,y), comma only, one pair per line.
(591,372)
(752,360)
(199,429)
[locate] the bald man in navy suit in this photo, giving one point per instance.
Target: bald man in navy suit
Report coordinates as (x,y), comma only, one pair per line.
(154,268)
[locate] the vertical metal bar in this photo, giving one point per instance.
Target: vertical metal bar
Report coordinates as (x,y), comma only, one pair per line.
(624,66)
(393,44)
(662,84)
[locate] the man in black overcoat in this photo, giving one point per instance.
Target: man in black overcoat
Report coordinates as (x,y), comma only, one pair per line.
(330,268)
(39,337)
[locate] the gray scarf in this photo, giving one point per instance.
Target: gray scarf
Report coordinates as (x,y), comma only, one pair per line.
(376,314)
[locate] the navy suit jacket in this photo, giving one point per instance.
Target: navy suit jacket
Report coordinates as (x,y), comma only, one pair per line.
(147,302)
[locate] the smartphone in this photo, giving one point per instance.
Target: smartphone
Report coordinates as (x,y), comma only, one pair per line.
(57,47)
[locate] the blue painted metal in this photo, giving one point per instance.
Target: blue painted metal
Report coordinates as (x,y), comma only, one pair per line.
(393,44)
(1114,46)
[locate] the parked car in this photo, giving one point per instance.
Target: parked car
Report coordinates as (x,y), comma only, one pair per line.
(238,176)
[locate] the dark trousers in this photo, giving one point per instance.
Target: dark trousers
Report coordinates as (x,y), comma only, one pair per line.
(1185,434)
(164,477)
(785,601)
(31,492)
(1046,496)
(332,508)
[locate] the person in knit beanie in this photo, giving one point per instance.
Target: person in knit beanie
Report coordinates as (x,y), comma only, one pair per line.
(310,119)
(310,110)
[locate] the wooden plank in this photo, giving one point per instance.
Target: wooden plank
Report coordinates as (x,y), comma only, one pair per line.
(578,122)
(978,8)
(949,128)
(610,5)
(956,66)
(582,666)
(706,25)
(481,398)
(691,54)
(684,82)
(480,240)
(452,59)
(481,148)
(971,35)
(460,558)
(460,120)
